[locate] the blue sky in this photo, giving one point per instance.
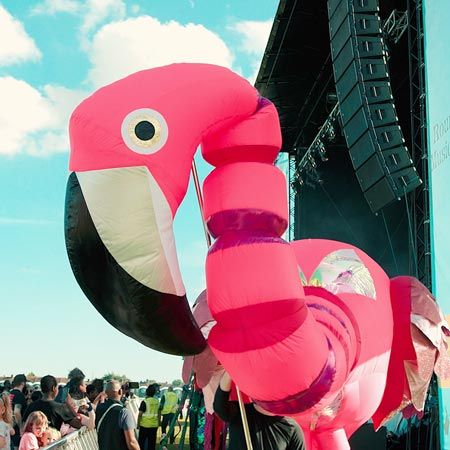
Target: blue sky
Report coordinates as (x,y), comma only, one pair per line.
(53,53)
(437,17)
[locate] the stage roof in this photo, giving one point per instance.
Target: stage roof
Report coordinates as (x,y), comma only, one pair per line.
(295,72)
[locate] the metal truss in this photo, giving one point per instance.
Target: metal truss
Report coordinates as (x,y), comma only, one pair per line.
(395,26)
(419,200)
(292,197)
(325,135)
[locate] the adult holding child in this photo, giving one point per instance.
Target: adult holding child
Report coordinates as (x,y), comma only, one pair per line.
(56,413)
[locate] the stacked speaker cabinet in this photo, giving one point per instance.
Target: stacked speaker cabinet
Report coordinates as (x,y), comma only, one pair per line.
(377,148)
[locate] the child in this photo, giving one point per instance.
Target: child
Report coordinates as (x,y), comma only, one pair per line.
(6,428)
(34,431)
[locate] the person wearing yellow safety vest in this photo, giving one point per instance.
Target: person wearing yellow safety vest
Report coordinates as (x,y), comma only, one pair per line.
(149,418)
(169,405)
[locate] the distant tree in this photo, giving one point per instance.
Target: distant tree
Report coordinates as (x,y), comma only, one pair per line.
(177,383)
(114,376)
(31,376)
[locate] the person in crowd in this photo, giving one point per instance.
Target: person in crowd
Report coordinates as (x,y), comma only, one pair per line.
(6,422)
(64,392)
(36,395)
(56,413)
(115,424)
(95,393)
(6,387)
(149,418)
(267,431)
(52,435)
(34,432)
(77,399)
(18,404)
(77,390)
(168,406)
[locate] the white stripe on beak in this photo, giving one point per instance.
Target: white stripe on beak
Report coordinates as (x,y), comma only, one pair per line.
(134,221)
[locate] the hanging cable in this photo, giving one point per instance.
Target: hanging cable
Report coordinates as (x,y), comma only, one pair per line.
(411,235)
(340,213)
(390,243)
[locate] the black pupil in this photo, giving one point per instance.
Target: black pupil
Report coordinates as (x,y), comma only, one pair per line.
(144,130)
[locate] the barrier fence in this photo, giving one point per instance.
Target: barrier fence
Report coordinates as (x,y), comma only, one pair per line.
(82,439)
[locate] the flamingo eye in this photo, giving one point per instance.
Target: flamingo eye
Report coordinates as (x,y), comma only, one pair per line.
(144,131)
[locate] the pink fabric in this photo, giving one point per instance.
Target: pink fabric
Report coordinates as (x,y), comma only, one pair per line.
(208,430)
(350,317)
(204,364)
(28,442)
(242,186)
(257,139)
(201,312)
(418,348)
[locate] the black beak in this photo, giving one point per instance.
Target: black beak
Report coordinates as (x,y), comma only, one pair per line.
(158,320)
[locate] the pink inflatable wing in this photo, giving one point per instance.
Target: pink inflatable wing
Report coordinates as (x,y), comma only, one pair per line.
(205,364)
(419,348)
(132,145)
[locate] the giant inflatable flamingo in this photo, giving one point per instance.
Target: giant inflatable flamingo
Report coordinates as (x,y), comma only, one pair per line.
(315,315)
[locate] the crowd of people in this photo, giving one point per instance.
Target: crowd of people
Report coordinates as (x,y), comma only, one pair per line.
(32,420)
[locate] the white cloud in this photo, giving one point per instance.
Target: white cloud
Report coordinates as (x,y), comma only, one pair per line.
(135,9)
(34,122)
(50,7)
(16,46)
(92,12)
(62,102)
(254,35)
(124,47)
(97,11)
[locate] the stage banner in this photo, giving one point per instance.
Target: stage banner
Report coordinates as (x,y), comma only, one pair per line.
(437,59)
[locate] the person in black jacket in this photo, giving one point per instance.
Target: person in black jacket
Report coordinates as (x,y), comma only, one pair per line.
(268,432)
(57,413)
(115,424)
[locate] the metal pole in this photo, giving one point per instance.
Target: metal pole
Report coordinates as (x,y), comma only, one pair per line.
(200,202)
(248,439)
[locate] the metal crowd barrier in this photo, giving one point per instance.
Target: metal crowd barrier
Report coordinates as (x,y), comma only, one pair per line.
(82,439)
(132,404)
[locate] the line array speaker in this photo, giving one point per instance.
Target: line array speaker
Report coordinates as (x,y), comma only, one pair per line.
(377,148)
